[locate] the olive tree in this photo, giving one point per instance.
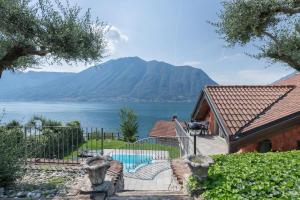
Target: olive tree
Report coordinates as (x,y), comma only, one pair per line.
(275,22)
(34,29)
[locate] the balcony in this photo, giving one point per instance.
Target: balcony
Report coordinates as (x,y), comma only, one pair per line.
(205,145)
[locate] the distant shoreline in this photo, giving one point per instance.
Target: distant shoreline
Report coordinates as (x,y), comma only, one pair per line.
(94,114)
(96,101)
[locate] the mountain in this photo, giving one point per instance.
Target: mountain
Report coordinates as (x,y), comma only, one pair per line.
(124,79)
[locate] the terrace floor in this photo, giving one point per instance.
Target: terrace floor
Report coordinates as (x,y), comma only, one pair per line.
(211,145)
(155,176)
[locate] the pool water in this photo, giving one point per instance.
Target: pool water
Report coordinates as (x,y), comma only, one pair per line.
(132,162)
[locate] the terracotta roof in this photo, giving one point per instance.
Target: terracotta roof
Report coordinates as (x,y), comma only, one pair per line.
(163,129)
(286,106)
(241,106)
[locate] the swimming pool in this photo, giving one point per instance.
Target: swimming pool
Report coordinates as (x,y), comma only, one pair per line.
(132,162)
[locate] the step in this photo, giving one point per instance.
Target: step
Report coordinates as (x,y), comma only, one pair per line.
(147,195)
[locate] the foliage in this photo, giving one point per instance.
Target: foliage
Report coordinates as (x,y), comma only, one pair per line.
(128,124)
(51,139)
(106,135)
(254,176)
(30,30)
(11,156)
(193,186)
(13,124)
(276,22)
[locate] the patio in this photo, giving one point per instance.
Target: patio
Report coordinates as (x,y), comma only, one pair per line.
(211,145)
(205,144)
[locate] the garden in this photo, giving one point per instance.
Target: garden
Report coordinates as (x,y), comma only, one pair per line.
(273,175)
(32,154)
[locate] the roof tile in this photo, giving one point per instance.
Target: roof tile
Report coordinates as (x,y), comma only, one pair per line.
(239,106)
(164,129)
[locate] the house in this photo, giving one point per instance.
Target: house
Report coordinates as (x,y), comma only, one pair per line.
(163,128)
(252,118)
(164,132)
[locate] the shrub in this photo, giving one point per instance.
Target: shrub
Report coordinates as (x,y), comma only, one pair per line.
(53,139)
(11,156)
(194,186)
(254,176)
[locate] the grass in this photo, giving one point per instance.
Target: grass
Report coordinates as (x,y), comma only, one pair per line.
(94,144)
(56,181)
(253,176)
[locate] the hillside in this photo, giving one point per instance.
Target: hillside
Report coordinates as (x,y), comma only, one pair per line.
(124,79)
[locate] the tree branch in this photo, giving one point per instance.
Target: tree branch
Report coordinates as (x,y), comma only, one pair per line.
(290,11)
(280,55)
(287,59)
(16,52)
(273,37)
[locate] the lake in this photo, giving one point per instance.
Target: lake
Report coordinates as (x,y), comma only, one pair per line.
(96,115)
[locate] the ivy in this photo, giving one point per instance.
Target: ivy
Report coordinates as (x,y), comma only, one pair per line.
(254,176)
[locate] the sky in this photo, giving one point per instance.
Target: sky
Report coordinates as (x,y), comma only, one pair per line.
(177,32)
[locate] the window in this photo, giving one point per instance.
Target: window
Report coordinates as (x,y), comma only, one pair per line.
(264,146)
(298,145)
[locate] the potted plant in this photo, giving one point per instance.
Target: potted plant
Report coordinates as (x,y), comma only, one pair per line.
(199,165)
(96,168)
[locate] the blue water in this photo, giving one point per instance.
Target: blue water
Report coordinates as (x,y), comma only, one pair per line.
(96,115)
(132,161)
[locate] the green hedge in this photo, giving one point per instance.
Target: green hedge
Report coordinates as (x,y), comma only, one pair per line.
(254,176)
(11,154)
(55,142)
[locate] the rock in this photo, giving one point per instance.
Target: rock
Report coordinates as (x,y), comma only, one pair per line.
(49,192)
(21,194)
(29,194)
(33,195)
(37,195)
(10,192)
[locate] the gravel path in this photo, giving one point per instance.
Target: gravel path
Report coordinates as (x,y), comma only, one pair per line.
(37,184)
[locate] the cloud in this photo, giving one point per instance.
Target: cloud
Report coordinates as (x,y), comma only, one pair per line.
(193,63)
(115,36)
(258,76)
(231,57)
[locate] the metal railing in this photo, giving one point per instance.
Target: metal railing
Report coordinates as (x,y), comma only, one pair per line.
(59,144)
(186,145)
(63,145)
(148,150)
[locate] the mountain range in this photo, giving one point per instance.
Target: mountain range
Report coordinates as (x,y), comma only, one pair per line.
(123,79)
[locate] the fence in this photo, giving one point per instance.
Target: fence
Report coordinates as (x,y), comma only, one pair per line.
(148,150)
(59,145)
(71,145)
(186,145)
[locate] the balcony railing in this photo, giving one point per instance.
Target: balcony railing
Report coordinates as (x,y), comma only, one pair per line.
(186,145)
